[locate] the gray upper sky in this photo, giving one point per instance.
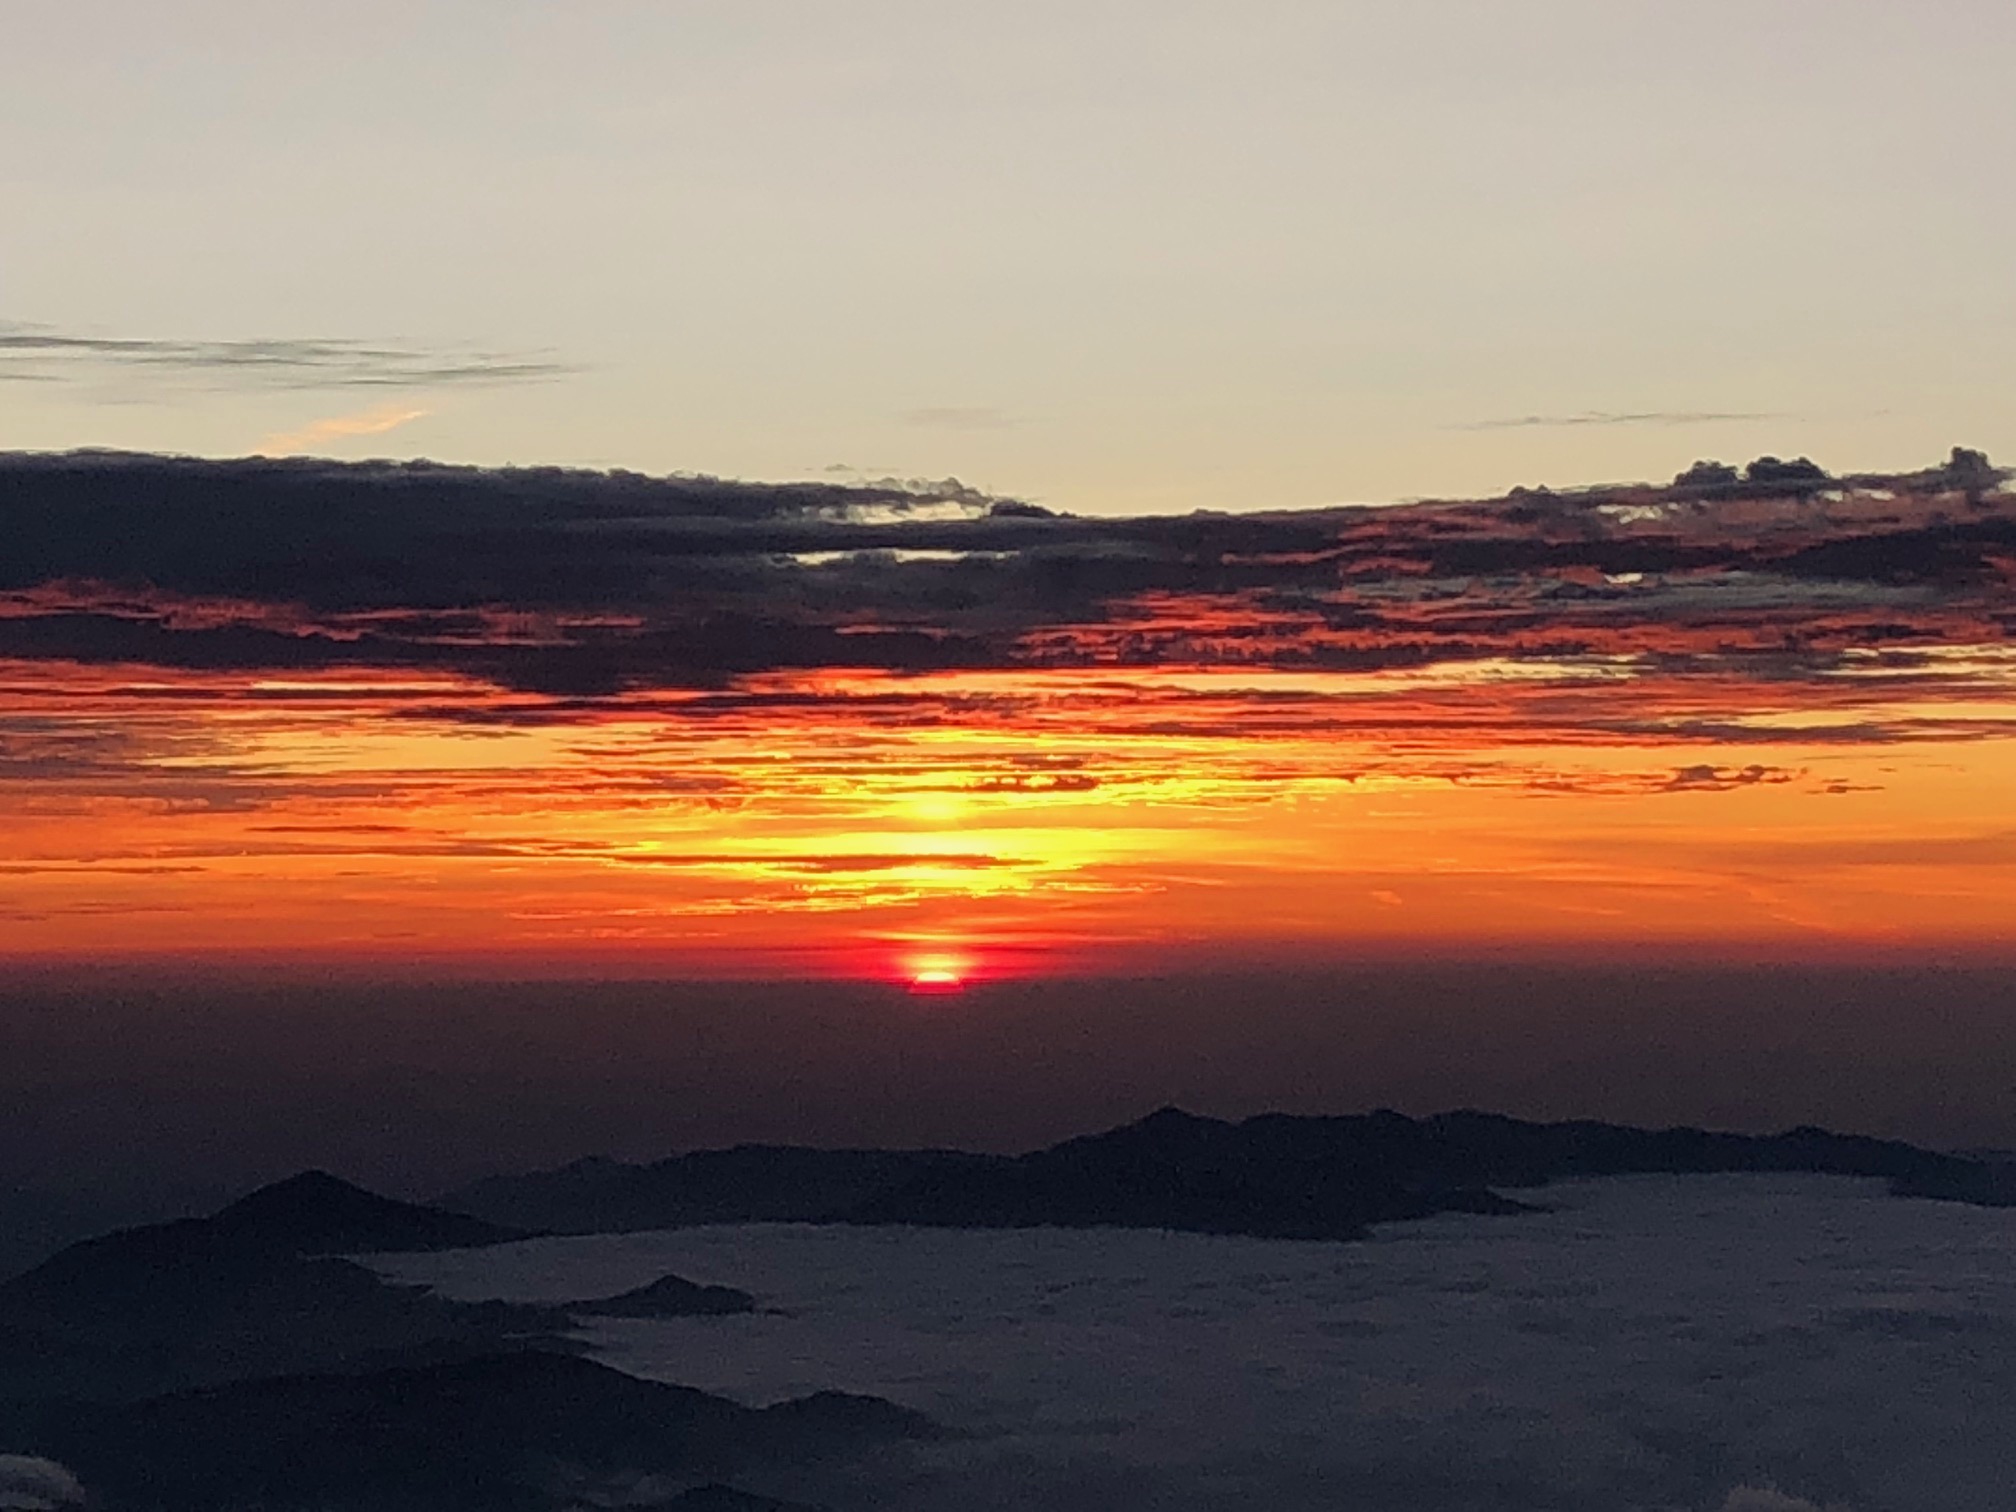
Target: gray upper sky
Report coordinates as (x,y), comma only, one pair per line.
(1108,254)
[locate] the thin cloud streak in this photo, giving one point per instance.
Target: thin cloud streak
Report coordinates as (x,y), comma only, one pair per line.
(1621,417)
(375,421)
(39,354)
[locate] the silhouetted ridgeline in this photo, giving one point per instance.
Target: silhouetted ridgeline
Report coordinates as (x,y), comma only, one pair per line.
(256,1289)
(512,1433)
(237,1362)
(260,1289)
(1274,1175)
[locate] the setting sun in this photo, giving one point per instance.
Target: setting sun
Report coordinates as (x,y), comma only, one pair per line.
(949,755)
(937,971)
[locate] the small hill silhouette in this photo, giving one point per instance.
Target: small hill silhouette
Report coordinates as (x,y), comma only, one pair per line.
(667,1297)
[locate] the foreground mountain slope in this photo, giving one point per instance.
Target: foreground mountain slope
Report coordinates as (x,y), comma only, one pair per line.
(232,1363)
(524,1432)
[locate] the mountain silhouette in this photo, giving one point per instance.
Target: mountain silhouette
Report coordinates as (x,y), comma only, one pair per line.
(745,1184)
(518,1432)
(315,1213)
(257,1288)
(1273,1175)
(667,1297)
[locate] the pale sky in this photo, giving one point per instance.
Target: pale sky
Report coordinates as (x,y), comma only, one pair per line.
(1112,255)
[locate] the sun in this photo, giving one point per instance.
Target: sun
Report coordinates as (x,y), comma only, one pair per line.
(937,971)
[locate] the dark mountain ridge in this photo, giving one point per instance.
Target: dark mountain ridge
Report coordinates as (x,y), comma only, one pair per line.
(307,1216)
(745,1184)
(316,1213)
(239,1361)
(233,1363)
(1273,1175)
(261,1288)
(511,1433)
(258,1288)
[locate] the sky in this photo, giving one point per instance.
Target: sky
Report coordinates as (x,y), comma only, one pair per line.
(1109,255)
(974,496)
(542,721)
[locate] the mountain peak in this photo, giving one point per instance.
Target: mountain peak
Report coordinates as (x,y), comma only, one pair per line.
(1169,1116)
(314,1211)
(303,1186)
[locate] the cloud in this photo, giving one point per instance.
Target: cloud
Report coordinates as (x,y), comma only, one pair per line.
(1704,778)
(1620,417)
(375,421)
(28,1484)
(38,353)
(572,585)
(759,861)
(1647,1344)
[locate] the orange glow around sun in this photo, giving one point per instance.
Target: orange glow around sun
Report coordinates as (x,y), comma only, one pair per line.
(1038,815)
(1171,774)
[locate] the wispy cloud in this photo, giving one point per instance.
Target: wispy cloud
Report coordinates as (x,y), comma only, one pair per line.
(371,422)
(1619,417)
(32,352)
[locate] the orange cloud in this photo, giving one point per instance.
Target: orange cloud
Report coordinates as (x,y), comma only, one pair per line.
(615,721)
(375,421)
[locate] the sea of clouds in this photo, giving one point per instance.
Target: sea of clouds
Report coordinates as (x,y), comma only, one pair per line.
(28,1484)
(1650,1344)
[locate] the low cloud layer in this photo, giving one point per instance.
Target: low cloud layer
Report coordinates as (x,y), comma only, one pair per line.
(28,1484)
(1656,1344)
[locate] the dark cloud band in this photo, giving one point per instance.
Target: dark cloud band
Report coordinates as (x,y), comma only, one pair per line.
(588,584)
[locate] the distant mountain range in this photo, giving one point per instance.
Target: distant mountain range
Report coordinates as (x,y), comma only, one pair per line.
(242,1361)
(1271,1176)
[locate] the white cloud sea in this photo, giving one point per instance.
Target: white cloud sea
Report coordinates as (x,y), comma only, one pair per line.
(1652,1344)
